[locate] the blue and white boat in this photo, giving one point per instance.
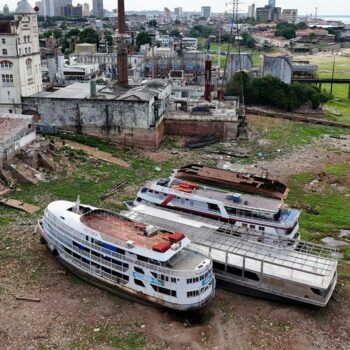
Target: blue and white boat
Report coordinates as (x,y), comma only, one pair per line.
(131,259)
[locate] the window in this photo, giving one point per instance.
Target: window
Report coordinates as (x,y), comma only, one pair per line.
(244,225)
(29,66)
(164,290)
(3,41)
(252,227)
(138,282)
(192,293)
(26,50)
(6,64)
(7,79)
(261,228)
(213,207)
(4,52)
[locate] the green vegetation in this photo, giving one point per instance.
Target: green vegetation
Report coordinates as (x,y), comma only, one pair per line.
(115,337)
(89,35)
(326,211)
(201,31)
(142,39)
(287,30)
(270,91)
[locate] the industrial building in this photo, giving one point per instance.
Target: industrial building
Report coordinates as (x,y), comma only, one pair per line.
(206,11)
(290,15)
(128,117)
(238,62)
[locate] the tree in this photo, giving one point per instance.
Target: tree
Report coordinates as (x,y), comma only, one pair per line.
(152,23)
(248,40)
(73,32)
(142,39)
(89,35)
(175,33)
(177,22)
(301,26)
(287,30)
(57,34)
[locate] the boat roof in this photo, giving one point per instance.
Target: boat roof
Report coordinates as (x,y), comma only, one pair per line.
(217,196)
(110,227)
(314,265)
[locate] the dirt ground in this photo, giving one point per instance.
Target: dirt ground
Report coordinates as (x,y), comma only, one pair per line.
(73,315)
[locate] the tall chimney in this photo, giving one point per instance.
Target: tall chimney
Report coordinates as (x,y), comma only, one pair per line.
(122,47)
(121,17)
(207,93)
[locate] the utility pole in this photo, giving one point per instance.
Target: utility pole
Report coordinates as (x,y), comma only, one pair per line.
(332,76)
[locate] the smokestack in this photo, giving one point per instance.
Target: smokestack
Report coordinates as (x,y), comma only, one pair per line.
(207,93)
(122,47)
(121,17)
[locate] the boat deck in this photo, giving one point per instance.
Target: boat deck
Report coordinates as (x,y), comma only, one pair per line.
(124,230)
(310,259)
(247,200)
(230,179)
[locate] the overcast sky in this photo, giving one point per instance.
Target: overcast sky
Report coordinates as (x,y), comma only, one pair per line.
(325,7)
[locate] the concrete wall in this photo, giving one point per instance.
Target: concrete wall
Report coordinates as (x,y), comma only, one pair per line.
(280,67)
(124,122)
(239,62)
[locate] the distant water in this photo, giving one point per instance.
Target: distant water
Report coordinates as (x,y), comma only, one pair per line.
(345,19)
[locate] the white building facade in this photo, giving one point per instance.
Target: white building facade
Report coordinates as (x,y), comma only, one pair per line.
(20,63)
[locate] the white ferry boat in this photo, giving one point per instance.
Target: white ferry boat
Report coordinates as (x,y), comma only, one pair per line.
(131,259)
(303,273)
(265,215)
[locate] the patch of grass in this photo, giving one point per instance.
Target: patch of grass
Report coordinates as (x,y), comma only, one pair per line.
(75,279)
(333,207)
(347,253)
(286,135)
(339,170)
(130,340)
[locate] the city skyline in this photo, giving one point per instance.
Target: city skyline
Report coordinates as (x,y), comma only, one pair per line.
(337,7)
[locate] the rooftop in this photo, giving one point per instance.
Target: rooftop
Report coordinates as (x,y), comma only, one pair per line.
(11,125)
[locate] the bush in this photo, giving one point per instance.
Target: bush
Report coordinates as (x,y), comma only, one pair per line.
(271,91)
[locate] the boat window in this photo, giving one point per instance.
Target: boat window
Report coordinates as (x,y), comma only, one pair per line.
(62,218)
(261,228)
(252,226)
(138,282)
(142,258)
(164,290)
(316,291)
(192,293)
(139,270)
(213,207)
(173,279)
(144,189)
(244,225)
(231,211)
(218,266)
(138,199)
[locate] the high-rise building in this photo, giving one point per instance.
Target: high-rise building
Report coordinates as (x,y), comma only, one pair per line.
(86,10)
(178,12)
(167,14)
(290,15)
(6,10)
(48,8)
(272,3)
(251,11)
(20,64)
(59,4)
(206,11)
(97,8)
(72,11)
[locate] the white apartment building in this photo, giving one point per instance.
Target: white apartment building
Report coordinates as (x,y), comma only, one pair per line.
(20,64)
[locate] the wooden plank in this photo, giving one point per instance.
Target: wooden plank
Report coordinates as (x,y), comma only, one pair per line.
(94,152)
(13,203)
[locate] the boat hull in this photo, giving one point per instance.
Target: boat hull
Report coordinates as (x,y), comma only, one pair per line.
(236,286)
(115,288)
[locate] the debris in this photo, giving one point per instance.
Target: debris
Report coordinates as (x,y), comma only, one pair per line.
(91,151)
(203,141)
(36,300)
(158,169)
(117,187)
(13,203)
